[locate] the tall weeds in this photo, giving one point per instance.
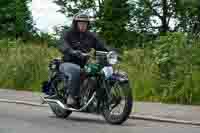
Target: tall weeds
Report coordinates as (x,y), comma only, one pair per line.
(168,73)
(24,66)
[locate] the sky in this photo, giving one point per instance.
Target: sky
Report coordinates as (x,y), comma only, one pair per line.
(45,15)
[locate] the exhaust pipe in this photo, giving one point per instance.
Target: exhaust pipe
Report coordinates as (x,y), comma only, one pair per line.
(63,106)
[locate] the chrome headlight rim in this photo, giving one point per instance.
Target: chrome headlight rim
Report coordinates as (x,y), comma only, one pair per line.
(112,58)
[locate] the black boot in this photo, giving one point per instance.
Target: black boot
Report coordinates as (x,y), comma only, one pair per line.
(72,102)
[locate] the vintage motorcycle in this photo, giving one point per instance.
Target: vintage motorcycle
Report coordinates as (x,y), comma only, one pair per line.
(104,89)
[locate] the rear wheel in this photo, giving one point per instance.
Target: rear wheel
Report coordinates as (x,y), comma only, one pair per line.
(60,84)
(119,107)
(58,111)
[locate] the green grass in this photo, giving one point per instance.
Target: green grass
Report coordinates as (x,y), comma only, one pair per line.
(143,73)
(146,75)
(148,85)
(24,67)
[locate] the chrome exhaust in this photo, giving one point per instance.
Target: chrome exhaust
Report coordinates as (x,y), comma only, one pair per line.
(63,106)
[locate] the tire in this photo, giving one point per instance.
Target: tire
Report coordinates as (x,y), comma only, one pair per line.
(59,112)
(127,109)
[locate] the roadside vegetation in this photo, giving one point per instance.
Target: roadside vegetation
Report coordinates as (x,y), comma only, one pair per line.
(168,72)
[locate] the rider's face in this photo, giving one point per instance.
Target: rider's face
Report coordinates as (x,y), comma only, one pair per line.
(82,26)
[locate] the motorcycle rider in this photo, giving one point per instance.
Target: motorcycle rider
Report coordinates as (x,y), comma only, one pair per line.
(77,40)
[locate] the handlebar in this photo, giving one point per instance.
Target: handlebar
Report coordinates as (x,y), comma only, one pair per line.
(85,54)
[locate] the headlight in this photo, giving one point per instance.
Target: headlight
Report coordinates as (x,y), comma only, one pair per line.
(112,58)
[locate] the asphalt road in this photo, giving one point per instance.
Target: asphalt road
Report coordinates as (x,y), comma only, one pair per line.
(27,119)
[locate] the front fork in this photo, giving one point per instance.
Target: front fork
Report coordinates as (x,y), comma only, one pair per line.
(103,94)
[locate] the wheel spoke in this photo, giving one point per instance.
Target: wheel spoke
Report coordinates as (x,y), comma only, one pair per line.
(117,94)
(120,108)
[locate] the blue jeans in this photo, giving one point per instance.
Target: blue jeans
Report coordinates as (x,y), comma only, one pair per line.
(72,71)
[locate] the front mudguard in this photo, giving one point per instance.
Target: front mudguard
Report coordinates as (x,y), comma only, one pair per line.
(120,77)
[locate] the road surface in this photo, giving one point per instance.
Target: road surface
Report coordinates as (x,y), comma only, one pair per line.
(27,119)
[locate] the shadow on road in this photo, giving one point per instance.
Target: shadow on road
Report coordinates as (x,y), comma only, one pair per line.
(93,121)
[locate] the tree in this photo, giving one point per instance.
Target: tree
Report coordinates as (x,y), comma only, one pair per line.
(115,18)
(7,17)
(188,14)
(24,22)
(70,7)
(153,16)
(15,19)
(162,16)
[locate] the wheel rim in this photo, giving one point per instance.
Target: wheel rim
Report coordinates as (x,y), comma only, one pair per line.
(119,99)
(60,85)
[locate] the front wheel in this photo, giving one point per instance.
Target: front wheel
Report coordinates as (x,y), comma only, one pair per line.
(115,112)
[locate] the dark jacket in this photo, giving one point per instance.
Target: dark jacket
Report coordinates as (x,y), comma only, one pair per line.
(75,40)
